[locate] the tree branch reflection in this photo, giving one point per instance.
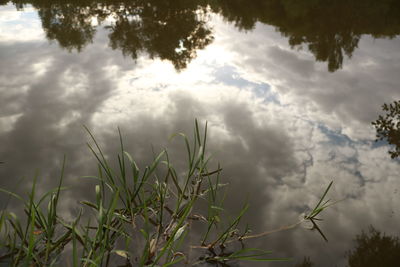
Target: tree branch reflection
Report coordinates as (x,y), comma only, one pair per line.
(175,29)
(388,127)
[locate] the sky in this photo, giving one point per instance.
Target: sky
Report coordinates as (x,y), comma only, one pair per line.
(281,125)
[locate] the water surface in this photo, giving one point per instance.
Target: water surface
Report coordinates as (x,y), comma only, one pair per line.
(289,90)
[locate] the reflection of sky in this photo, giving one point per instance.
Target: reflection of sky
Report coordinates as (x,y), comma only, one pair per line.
(19,26)
(280,124)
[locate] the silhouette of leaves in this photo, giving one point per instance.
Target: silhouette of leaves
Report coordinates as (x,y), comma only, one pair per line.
(388,127)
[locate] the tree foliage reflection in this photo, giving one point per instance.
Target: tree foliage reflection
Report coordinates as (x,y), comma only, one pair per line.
(388,127)
(175,29)
(70,25)
(375,249)
(371,249)
(172,32)
(169,30)
(330,29)
(305,263)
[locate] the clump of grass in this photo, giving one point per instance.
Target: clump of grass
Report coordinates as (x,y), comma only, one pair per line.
(141,216)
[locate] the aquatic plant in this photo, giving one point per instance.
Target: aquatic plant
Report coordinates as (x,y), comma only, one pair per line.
(144,217)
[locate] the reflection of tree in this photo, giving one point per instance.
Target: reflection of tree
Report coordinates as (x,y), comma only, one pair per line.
(388,127)
(330,29)
(174,30)
(305,263)
(374,249)
(68,24)
(173,33)
(171,30)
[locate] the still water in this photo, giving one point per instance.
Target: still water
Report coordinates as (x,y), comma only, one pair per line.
(289,90)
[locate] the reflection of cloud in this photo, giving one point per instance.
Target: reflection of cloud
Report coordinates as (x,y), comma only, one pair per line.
(353,95)
(291,63)
(19,26)
(280,124)
(47,100)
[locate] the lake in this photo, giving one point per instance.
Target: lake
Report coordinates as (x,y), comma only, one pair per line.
(288,89)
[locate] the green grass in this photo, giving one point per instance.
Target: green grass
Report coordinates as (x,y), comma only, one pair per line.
(140,216)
